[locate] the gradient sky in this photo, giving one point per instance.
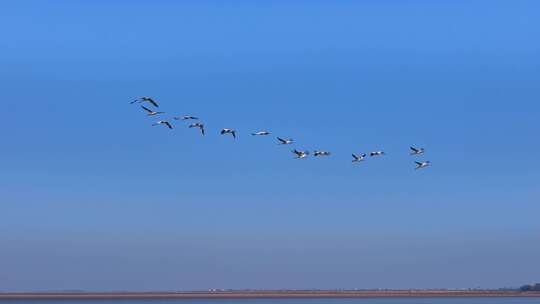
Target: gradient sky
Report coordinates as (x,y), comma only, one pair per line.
(94,198)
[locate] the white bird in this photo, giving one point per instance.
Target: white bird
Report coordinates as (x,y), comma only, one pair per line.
(420,165)
(377,153)
(228,131)
(286,141)
(146,99)
(358,158)
(151,112)
(300,154)
(416,151)
(321,153)
(197,125)
(260,133)
(163,122)
(187,117)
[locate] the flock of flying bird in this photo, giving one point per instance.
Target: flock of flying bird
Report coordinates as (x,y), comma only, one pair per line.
(282,141)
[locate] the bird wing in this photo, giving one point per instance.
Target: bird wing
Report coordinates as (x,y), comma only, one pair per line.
(147,109)
(418,163)
(354,156)
(167,124)
(202,130)
(150,100)
(233,133)
(282,140)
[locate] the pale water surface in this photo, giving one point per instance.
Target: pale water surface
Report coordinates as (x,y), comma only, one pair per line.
(297,301)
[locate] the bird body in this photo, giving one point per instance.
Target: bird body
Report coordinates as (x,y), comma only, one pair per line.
(228,131)
(187,117)
(261,133)
(358,158)
(321,153)
(151,112)
(416,151)
(197,125)
(421,165)
(377,153)
(163,122)
(300,154)
(146,99)
(285,141)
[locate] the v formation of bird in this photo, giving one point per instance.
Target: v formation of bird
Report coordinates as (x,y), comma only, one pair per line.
(281,141)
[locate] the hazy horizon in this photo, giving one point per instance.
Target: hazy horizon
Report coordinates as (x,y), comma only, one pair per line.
(93,197)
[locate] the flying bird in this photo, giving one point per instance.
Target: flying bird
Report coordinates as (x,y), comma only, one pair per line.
(286,141)
(321,153)
(416,151)
(300,154)
(421,165)
(187,117)
(260,133)
(358,158)
(163,122)
(197,125)
(377,153)
(146,99)
(151,112)
(228,131)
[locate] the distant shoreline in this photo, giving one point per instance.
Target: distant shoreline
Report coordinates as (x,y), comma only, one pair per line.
(267,294)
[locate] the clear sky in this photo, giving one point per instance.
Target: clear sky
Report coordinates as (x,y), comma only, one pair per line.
(93,197)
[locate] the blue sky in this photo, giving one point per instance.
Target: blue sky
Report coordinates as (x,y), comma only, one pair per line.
(95,198)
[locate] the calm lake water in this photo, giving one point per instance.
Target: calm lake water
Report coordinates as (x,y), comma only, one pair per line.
(298,301)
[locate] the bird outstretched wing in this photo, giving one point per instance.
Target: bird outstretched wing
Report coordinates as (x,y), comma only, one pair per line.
(147,109)
(150,100)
